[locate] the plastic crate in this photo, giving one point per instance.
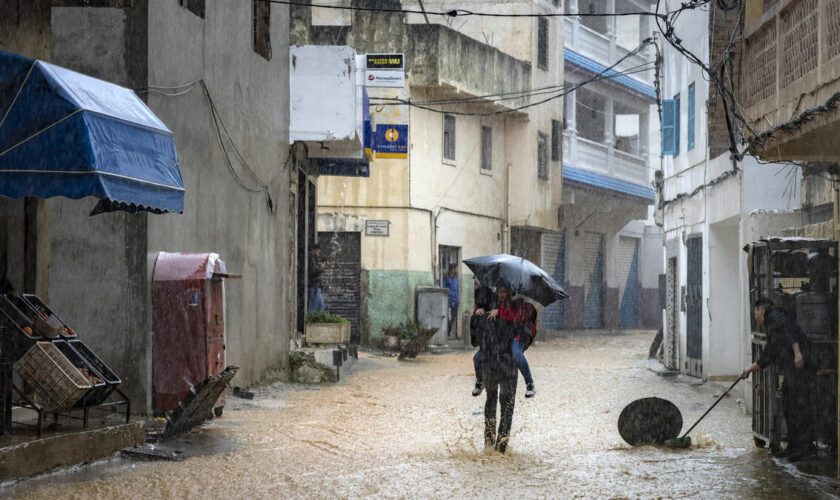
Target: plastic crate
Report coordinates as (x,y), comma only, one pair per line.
(108,376)
(97,392)
(35,307)
(59,384)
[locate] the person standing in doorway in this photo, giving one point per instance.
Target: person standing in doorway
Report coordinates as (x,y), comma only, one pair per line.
(450,282)
(314,296)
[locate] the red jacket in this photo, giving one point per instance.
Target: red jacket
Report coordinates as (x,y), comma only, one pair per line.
(520,311)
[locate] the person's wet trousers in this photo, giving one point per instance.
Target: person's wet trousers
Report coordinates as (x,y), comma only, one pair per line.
(797,407)
(499,373)
(500,384)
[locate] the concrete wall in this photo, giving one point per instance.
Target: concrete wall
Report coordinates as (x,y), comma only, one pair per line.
(252,97)
(98,270)
(101,269)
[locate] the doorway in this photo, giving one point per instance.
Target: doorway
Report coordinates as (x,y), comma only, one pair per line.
(451,255)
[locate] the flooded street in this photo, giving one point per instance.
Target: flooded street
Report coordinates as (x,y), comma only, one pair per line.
(412,429)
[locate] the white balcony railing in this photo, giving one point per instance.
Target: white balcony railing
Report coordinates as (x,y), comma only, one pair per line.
(604,49)
(603,159)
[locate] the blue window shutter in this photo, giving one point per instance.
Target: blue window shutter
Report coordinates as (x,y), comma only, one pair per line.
(676,125)
(690,117)
(668,142)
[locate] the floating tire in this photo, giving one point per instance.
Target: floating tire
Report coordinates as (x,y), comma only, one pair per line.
(649,421)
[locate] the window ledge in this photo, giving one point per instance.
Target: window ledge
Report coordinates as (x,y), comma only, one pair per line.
(449,162)
(485,171)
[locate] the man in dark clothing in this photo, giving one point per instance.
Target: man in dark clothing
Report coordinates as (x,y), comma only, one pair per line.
(314,296)
(499,373)
(788,347)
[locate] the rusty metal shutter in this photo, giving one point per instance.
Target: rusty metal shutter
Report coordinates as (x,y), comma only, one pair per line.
(341,259)
(593,261)
(628,281)
(553,261)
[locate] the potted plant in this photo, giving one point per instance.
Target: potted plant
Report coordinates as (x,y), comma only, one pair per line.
(391,337)
(325,328)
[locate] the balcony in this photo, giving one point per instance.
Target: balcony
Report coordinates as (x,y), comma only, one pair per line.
(791,62)
(604,160)
(446,60)
(604,49)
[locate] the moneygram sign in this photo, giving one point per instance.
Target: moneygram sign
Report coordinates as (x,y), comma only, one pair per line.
(385,70)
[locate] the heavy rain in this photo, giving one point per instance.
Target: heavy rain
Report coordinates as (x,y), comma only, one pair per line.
(419,249)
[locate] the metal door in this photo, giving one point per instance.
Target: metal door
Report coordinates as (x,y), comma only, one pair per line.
(628,279)
(593,309)
(694,306)
(553,261)
(672,311)
(341,281)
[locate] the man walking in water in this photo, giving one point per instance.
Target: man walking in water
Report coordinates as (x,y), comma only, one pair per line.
(499,374)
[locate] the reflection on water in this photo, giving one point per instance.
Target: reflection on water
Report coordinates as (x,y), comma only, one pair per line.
(413,430)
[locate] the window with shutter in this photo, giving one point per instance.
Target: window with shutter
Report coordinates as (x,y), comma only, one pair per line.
(676,125)
(668,141)
(691,114)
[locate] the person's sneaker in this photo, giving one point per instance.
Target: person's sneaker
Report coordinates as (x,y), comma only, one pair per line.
(530,391)
(477,389)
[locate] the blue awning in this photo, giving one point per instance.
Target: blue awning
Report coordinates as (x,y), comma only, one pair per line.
(67,134)
(573,175)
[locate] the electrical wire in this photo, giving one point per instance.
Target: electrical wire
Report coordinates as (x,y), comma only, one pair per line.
(452,13)
(221,134)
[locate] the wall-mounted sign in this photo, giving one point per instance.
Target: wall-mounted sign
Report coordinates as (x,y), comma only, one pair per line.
(385,61)
(385,70)
(377,228)
(391,141)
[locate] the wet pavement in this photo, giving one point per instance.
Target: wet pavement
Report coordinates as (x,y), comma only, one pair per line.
(411,429)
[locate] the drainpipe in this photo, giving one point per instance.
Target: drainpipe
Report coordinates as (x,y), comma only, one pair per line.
(506,223)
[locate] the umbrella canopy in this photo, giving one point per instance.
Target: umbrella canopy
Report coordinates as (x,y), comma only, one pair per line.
(67,134)
(520,275)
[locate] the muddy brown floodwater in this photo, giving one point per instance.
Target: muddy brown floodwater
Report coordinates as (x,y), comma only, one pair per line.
(412,429)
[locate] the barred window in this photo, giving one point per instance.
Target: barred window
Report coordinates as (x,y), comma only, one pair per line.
(542,156)
(194,6)
(262,28)
(542,42)
(449,137)
(486,148)
(556,140)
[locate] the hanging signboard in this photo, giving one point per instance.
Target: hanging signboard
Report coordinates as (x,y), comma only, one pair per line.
(385,70)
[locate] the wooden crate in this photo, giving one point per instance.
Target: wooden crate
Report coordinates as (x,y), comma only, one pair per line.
(328,333)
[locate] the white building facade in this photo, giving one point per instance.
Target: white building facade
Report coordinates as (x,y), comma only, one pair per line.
(710,208)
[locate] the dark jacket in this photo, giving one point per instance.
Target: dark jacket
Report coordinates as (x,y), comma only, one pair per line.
(484,299)
(782,332)
(315,271)
(494,344)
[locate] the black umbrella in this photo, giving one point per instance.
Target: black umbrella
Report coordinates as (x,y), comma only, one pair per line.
(520,275)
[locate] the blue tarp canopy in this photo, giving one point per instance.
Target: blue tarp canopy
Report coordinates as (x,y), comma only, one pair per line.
(67,134)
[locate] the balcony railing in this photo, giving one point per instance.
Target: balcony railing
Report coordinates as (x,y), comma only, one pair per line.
(604,159)
(603,49)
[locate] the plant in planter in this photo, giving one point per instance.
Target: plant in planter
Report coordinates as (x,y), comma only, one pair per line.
(393,336)
(325,328)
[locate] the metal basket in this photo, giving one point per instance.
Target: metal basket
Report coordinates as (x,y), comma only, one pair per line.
(59,384)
